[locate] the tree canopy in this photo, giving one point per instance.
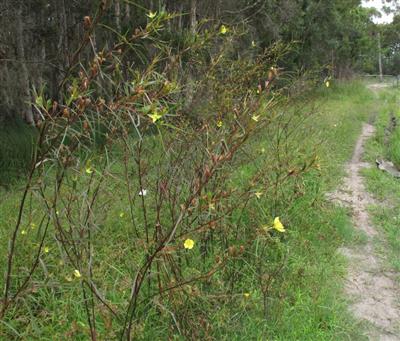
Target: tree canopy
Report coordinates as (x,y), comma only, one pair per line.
(45,39)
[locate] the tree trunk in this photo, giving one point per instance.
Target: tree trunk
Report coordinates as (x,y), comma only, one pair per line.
(127,12)
(25,98)
(193,14)
(180,21)
(63,34)
(117,13)
(380,57)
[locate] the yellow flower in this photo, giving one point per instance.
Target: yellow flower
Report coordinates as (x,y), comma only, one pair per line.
(155,116)
(211,206)
(278,225)
(121,215)
(33,226)
(255,118)
(39,101)
(151,15)
(219,124)
(23,232)
(327,84)
(246,294)
(88,167)
(77,274)
(258,194)
(46,249)
(188,244)
(223,29)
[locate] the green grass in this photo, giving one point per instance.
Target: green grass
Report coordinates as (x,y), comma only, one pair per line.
(393,149)
(305,300)
(384,187)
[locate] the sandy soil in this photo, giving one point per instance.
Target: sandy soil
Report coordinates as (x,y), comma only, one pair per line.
(372,287)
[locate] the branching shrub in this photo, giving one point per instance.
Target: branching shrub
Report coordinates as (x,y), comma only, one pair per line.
(147,187)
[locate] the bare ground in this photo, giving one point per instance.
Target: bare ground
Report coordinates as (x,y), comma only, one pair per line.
(371,286)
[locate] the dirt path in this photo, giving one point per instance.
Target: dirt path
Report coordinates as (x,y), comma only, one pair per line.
(372,288)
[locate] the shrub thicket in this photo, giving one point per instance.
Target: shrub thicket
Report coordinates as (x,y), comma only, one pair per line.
(148,168)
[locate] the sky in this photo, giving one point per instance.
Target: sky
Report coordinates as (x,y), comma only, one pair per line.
(378,5)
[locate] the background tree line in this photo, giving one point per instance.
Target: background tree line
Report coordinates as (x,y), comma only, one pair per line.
(40,43)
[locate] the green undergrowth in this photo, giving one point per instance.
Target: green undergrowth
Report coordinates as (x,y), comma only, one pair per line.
(304,300)
(16,148)
(307,301)
(386,188)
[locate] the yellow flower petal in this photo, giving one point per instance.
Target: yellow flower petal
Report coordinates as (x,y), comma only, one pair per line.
(188,244)
(88,167)
(278,225)
(223,29)
(246,294)
(121,215)
(46,249)
(33,226)
(23,232)
(77,274)
(155,116)
(258,194)
(255,118)
(151,15)
(220,124)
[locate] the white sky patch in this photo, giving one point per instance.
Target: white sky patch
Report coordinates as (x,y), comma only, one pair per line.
(386,18)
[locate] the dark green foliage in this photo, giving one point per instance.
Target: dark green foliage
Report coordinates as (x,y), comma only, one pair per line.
(335,38)
(17,141)
(391,47)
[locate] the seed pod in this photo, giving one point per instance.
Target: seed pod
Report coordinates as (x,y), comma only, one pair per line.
(207,171)
(66,112)
(85,84)
(54,107)
(87,22)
